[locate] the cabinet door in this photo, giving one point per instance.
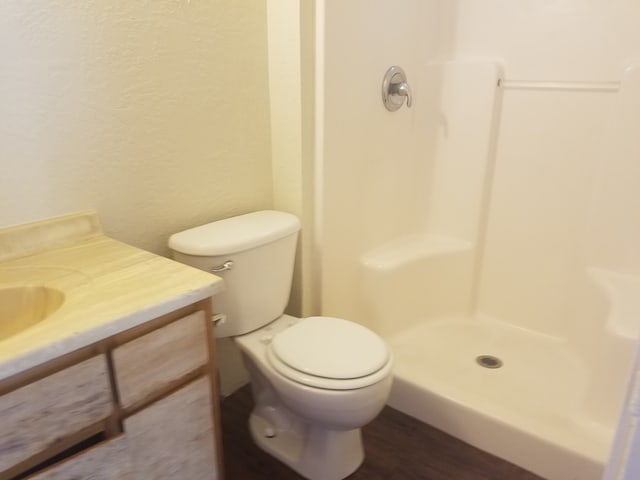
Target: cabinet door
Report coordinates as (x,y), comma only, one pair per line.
(44,414)
(152,362)
(173,438)
(108,461)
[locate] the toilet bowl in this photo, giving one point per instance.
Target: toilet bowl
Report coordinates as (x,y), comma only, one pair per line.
(317,380)
(291,413)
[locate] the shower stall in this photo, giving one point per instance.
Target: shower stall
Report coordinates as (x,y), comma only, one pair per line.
(489,232)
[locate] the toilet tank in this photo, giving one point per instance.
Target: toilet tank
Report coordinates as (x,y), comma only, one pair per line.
(260,247)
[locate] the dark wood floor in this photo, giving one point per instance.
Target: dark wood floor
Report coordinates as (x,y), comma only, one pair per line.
(397,448)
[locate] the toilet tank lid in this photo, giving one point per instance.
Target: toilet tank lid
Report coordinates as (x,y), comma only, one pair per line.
(235,234)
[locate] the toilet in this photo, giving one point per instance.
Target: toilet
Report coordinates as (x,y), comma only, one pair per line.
(317,380)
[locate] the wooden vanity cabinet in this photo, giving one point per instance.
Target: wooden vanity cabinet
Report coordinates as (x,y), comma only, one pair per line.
(107,461)
(173,437)
(153,362)
(50,414)
(164,383)
(149,394)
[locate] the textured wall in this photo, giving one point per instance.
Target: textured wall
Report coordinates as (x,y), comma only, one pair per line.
(154,113)
(283,19)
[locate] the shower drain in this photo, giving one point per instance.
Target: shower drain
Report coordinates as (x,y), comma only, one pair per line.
(488,361)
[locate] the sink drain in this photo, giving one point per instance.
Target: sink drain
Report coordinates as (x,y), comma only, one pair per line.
(488,361)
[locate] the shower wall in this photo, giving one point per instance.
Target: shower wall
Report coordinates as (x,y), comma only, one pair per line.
(371,188)
(555,167)
(557,204)
(501,207)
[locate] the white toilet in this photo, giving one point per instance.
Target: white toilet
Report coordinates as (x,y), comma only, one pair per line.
(316,381)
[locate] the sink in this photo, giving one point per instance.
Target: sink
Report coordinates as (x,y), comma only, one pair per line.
(25,305)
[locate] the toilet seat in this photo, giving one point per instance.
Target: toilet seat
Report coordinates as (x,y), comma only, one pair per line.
(329,353)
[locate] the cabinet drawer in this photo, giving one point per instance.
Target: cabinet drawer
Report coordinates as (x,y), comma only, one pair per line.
(173,438)
(154,361)
(38,415)
(108,461)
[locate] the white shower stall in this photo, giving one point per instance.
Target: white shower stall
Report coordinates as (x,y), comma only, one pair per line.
(498,216)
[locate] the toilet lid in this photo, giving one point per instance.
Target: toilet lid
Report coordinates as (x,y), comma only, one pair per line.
(331,348)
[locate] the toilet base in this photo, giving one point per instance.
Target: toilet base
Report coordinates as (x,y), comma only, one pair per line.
(315,453)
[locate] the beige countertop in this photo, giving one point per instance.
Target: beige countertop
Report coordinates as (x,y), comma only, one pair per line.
(109,286)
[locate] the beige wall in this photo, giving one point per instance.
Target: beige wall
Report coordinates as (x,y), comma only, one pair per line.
(291,86)
(283,20)
(156,114)
(285,92)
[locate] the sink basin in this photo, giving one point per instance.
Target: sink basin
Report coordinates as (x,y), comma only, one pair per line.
(25,305)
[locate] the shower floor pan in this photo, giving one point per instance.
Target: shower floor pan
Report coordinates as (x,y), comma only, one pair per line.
(526,409)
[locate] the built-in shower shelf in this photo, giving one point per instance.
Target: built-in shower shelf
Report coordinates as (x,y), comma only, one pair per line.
(417,276)
(409,249)
(623,293)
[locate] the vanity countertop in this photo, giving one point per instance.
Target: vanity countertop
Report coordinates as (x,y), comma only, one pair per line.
(109,286)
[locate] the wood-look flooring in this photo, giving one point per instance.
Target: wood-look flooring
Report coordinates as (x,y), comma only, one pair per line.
(397,447)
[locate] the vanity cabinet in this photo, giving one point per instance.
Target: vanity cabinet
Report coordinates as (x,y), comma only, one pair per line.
(150,363)
(139,405)
(173,438)
(53,412)
(108,461)
(164,378)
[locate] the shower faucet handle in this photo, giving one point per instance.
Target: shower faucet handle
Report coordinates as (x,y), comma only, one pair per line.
(395,89)
(403,89)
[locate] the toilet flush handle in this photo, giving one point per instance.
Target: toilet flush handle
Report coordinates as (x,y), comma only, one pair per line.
(228,265)
(219,318)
